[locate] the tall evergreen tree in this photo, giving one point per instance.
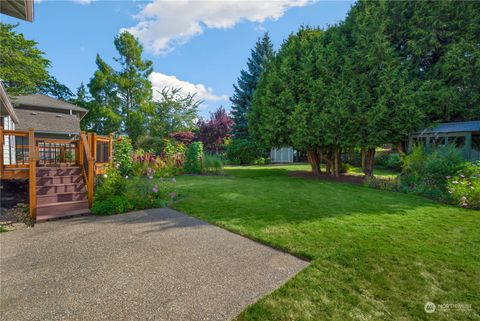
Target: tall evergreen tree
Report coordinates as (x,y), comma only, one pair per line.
(122,98)
(241,100)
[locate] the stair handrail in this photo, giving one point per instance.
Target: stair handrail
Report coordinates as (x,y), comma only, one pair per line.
(88,172)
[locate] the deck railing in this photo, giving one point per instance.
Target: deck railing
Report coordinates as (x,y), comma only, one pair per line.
(22,152)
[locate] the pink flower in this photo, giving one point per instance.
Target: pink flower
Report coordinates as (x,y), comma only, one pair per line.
(155,189)
(465,205)
(150,177)
(462,176)
(149,170)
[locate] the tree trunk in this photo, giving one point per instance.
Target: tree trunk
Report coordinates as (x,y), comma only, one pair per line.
(336,162)
(401,149)
(364,152)
(369,162)
(327,156)
(314,161)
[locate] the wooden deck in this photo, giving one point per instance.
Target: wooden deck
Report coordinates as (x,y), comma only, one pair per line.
(44,163)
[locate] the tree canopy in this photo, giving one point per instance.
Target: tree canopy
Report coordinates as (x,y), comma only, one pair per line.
(23,67)
(122,98)
(260,57)
(387,70)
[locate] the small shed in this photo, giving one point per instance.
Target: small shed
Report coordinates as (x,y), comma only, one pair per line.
(464,135)
(282,155)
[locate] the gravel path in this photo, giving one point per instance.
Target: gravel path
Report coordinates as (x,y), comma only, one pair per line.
(149,265)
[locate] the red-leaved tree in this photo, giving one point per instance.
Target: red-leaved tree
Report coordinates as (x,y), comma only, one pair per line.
(213,132)
(185,137)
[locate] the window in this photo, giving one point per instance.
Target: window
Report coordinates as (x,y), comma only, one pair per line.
(476,142)
(437,141)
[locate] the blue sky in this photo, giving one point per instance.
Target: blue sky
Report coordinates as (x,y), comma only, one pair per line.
(198,45)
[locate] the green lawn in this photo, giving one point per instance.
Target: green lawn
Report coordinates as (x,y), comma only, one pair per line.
(375,255)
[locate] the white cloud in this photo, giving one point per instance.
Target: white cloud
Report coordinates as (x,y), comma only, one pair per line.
(163,25)
(161,81)
(83,1)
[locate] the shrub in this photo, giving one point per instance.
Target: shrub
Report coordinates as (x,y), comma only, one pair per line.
(389,161)
(383,183)
(139,193)
(464,188)
(112,183)
(151,144)
(194,158)
(243,152)
(261,161)
(425,171)
(114,204)
(212,165)
(122,155)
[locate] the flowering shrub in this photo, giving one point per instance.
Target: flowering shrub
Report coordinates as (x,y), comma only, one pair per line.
(117,194)
(168,163)
(464,188)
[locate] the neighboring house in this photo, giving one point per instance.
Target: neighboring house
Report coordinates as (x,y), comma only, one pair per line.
(50,118)
(56,124)
(464,135)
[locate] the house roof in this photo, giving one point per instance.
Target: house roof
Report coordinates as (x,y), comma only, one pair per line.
(6,108)
(455,127)
(22,9)
(48,122)
(42,101)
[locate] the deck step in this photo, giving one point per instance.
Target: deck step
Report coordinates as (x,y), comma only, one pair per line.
(49,217)
(61,209)
(61,188)
(55,180)
(58,171)
(60,198)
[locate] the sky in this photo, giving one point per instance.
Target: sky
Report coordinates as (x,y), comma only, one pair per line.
(199,46)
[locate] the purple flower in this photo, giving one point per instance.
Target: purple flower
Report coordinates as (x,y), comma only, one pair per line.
(149,170)
(462,176)
(150,177)
(465,205)
(155,189)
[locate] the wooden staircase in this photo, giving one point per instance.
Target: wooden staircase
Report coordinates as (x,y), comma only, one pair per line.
(60,193)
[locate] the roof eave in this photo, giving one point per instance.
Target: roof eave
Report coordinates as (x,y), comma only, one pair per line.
(8,104)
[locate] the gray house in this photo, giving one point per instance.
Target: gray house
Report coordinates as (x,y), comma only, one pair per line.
(464,135)
(51,118)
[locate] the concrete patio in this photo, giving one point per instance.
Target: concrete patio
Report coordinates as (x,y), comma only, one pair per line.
(149,265)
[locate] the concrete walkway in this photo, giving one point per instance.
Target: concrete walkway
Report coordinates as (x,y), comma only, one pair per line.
(149,265)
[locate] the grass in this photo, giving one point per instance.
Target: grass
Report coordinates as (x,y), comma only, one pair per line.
(375,255)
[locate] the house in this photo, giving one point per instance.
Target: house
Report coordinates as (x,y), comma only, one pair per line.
(51,118)
(44,144)
(21,9)
(464,135)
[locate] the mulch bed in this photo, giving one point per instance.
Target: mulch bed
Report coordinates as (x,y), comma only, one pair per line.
(351,179)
